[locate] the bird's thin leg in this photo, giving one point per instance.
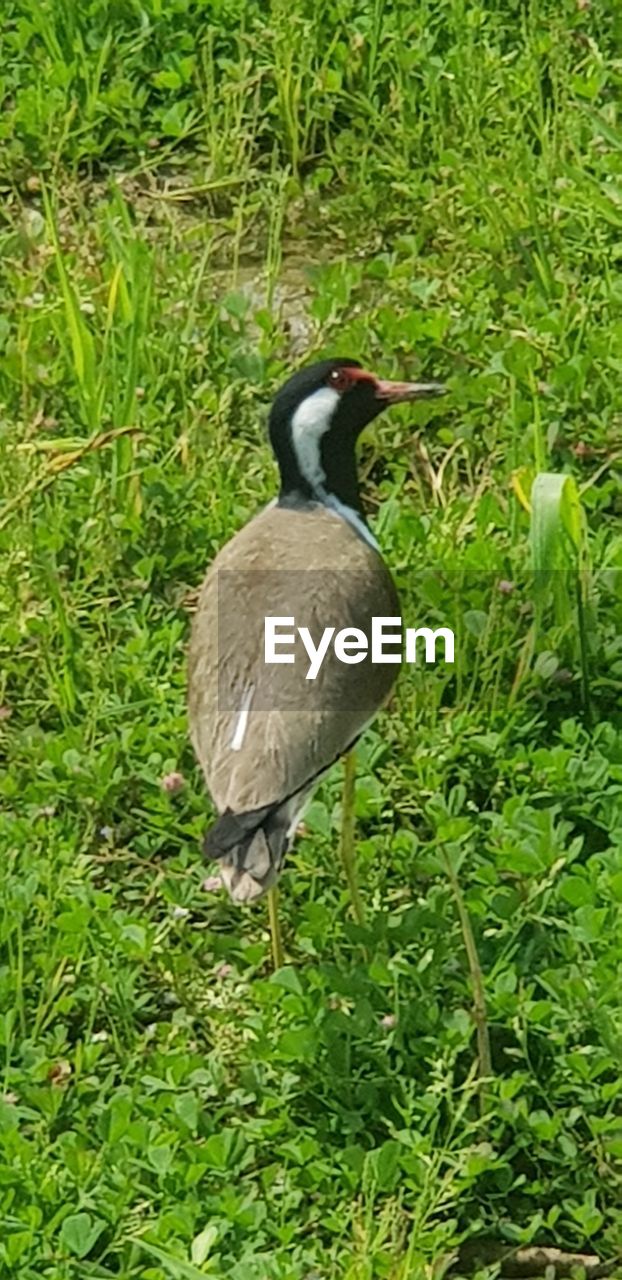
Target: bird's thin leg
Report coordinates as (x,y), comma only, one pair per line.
(275,928)
(346,846)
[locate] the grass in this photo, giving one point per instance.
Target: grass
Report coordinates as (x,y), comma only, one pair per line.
(192,199)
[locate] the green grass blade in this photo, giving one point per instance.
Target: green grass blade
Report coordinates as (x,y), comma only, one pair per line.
(556,523)
(175,1267)
(81,340)
(559,560)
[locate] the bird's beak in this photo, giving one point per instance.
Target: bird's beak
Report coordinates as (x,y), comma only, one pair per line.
(398,392)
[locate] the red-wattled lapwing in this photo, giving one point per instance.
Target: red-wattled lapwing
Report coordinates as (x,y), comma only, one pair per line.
(264,733)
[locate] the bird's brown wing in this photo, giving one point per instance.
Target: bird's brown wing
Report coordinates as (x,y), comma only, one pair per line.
(261,732)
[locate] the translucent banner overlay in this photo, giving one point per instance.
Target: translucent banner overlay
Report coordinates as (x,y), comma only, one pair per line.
(338,640)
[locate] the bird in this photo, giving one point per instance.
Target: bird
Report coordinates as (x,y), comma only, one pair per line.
(264,734)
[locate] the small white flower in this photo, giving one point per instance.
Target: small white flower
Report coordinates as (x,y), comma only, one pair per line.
(172,782)
(389,1021)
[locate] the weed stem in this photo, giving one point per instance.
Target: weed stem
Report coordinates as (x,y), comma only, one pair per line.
(477,980)
(275,928)
(346,846)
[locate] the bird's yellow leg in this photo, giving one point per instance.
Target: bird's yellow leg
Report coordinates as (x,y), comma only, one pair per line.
(275,928)
(346,846)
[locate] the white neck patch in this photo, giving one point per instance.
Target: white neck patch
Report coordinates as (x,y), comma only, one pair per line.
(310,422)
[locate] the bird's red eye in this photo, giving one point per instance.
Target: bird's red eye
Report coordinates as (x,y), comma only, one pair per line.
(339,379)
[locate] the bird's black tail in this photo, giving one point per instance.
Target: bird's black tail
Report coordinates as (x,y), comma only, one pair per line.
(250,848)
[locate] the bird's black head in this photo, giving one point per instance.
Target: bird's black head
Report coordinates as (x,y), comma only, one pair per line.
(316,419)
